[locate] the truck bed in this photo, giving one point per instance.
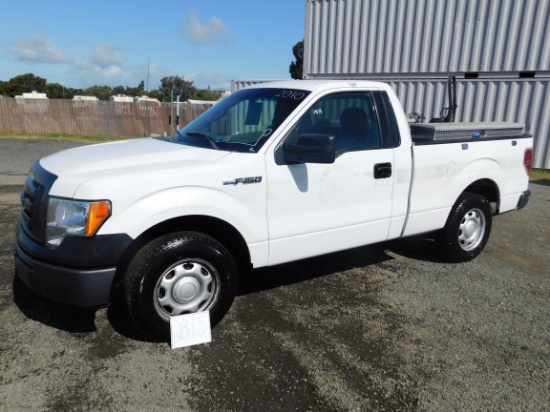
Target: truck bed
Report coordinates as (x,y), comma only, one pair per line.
(442,171)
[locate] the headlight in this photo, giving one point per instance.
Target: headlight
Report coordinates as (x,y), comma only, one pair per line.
(74,217)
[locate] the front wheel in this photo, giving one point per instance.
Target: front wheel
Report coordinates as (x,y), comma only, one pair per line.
(177,274)
(467,229)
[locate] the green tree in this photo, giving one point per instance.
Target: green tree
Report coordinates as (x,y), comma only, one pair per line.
(2,87)
(70,92)
(297,67)
(177,85)
(155,94)
(101,92)
(206,94)
(24,83)
(136,91)
(118,90)
(55,91)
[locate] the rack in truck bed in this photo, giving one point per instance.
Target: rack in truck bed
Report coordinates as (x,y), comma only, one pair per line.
(427,133)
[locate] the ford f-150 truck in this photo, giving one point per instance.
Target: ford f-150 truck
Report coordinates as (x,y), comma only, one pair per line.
(274,173)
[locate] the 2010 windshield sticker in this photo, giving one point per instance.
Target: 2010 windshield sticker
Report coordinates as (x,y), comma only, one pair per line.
(291,94)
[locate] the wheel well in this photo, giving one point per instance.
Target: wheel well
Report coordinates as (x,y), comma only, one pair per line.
(218,229)
(488,189)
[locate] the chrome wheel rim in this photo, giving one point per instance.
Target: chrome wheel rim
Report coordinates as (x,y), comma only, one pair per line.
(471,229)
(188,286)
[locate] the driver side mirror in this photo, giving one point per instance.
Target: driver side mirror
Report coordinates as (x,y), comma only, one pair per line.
(310,148)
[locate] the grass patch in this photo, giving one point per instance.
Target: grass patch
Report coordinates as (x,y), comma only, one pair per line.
(539,174)
(58,136)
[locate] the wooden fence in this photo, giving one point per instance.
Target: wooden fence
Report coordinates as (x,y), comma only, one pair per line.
(92,118)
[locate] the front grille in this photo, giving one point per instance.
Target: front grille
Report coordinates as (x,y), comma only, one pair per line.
(34,201)
(33,191)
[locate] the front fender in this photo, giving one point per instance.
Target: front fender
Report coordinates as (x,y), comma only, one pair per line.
(241,206)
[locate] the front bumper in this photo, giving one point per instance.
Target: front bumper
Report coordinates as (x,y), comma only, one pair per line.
(79,272)
(79,287)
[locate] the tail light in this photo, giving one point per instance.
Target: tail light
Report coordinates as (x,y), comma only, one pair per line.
(527,160)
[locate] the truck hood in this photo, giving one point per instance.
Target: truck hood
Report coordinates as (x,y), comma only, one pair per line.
(109,160)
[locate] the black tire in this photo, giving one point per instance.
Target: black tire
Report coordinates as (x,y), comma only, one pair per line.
(467,229)
(183,272)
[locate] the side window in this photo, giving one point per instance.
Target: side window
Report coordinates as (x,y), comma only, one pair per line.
(349,117)
(388,123)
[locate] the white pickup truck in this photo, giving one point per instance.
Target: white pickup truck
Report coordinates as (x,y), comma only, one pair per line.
(274,173)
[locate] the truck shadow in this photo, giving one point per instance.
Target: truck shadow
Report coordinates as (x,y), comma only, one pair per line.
(58,315)
(70,318)
(421,247)
(417,248)
(79,320)
(263,279)
(542,182)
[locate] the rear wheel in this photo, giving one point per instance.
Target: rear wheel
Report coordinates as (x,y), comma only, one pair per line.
(177,274)
(467,229)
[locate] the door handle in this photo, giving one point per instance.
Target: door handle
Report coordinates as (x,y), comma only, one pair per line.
(382,170)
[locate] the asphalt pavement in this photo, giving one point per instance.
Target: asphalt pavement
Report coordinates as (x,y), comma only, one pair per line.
(388,327)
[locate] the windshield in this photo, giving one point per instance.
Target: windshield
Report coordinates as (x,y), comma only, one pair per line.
(242,122)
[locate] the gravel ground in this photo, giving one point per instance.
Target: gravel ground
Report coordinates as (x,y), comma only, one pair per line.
(387,327)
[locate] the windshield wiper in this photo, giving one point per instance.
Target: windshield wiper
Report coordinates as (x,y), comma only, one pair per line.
(205,137)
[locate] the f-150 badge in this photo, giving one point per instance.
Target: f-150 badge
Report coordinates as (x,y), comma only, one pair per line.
(243,180)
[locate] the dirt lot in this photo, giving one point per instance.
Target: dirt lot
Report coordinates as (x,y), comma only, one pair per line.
(384,328)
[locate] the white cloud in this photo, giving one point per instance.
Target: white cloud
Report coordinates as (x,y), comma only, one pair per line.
(107,54)
(105,65)
(121,75)
(212,31)
(106,58)
(37,49)
(111,75)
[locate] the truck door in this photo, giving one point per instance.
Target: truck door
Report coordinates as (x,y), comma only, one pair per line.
(320,208)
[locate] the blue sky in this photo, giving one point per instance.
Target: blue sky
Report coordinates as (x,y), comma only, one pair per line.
(84,43)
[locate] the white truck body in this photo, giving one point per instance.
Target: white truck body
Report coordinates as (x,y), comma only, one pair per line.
(289,211)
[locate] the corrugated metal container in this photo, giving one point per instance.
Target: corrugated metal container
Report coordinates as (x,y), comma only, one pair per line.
(346,37)
(520,100)
(498,49)
(241,84)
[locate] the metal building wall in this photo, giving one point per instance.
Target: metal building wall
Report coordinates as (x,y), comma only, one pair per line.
(347,37)
(241,84)
(498,49)
(520,100)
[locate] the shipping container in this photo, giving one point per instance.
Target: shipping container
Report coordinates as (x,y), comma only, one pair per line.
(498,50)
(350,37)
